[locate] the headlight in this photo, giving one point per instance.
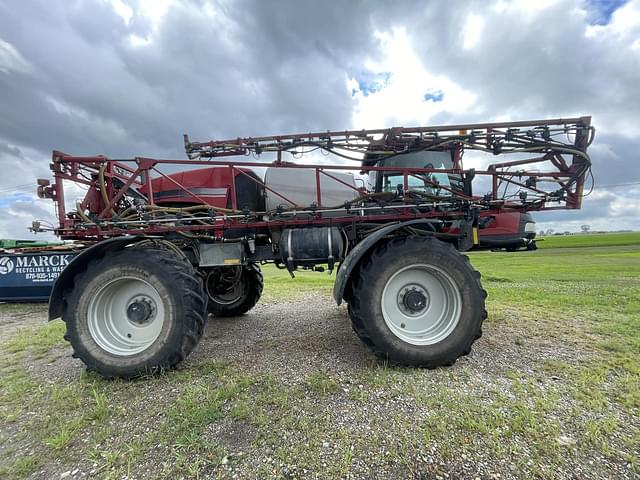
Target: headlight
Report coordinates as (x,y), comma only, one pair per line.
(530,227)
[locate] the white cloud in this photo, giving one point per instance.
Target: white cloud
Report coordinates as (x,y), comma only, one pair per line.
(627,205)
(472,31)
(624,23)
(125,11)
(402,100)
(153,10)
(11,60)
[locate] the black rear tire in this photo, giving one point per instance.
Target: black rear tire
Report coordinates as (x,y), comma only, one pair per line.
(90,314)
(248,289)
(368,293)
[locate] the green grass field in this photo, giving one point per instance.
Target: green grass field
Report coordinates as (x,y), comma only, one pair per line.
(574,415)
(278,283)
(590,240)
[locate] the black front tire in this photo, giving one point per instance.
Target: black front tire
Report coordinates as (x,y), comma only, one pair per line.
(249,287)
(366,302)
(180,297)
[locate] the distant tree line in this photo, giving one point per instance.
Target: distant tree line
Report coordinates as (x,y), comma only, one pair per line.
(583,228)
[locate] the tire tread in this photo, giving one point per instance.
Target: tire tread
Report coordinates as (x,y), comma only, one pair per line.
(366,270)
(255,287)
(194,312)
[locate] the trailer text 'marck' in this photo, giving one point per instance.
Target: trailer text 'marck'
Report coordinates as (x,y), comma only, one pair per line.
(392,215)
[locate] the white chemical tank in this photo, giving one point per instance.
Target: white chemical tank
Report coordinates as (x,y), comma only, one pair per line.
(299,186)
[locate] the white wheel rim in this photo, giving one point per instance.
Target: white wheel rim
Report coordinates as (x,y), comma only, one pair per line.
(126,316)
(421,304)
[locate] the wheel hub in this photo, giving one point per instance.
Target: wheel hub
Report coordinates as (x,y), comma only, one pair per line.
(421,304)
(126,315)
(413,300)
(141,311)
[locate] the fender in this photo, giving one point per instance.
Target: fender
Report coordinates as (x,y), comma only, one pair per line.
(354,257)
(78,264)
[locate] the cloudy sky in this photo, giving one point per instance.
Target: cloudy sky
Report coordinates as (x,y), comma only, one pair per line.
(127,77)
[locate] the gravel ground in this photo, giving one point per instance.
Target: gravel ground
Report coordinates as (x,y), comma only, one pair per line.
(296,338)
(370,407)
(14,317)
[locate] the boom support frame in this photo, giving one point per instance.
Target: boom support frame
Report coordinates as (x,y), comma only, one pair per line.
(120,197)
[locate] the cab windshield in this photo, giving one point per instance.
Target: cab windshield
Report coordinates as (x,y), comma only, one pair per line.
(428,183)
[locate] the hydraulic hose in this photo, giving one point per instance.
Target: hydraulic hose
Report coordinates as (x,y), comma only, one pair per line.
(103,189)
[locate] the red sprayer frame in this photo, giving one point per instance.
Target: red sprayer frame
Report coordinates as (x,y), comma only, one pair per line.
(120,197)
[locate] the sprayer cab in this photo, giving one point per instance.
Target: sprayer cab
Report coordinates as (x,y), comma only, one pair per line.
(440,173)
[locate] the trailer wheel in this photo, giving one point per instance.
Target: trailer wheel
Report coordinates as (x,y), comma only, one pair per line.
(134,312)
(417,301)
(233,291)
